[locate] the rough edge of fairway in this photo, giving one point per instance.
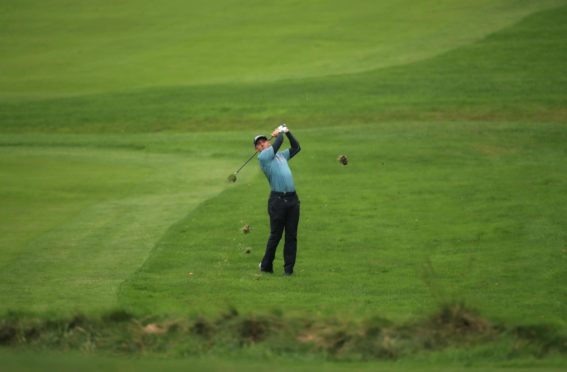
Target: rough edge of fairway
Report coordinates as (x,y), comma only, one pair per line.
(454,328)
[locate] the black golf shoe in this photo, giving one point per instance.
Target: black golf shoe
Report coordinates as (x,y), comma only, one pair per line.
(264,271)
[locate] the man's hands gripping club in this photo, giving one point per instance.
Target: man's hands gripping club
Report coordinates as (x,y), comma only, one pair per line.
(281,129)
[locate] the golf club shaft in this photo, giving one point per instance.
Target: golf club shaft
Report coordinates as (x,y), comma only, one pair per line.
(254,154)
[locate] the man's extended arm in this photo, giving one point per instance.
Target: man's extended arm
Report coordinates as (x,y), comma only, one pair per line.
(295,148)
(278,142)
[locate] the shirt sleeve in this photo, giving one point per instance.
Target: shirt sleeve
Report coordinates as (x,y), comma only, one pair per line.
(278,142)
(286,154)
(295,148)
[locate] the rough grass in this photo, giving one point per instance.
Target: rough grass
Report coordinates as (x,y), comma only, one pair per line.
(452,327)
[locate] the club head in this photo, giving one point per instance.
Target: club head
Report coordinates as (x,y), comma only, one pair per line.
(232,178)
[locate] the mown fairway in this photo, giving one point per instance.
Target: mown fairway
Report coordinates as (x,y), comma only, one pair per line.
(66,48)
(119,125)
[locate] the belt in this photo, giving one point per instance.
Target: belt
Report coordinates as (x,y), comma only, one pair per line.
(284,194)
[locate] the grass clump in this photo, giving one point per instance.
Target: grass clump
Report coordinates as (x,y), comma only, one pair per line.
(452,327)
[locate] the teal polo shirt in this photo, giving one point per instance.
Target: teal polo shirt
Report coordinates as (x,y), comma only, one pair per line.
(277,170)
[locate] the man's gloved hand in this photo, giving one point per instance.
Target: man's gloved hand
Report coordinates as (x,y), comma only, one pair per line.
(281,129)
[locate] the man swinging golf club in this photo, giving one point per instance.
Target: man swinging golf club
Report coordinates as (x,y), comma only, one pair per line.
(283,204)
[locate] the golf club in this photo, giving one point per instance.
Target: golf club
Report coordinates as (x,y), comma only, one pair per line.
(232,177)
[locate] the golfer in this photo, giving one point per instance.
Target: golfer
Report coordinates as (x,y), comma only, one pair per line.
(283,204)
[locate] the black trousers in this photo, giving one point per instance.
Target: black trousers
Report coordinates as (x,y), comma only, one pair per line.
(284,215)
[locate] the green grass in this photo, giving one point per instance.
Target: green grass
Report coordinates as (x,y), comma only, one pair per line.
(424,213)
(120,124)
(454,335)
(78,220)
(67,48)
(516,74)
(72,362)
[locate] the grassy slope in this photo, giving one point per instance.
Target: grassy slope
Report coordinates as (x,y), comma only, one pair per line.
(424,213)
(62,48)
(516,74)
(77,219)
(447,155)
